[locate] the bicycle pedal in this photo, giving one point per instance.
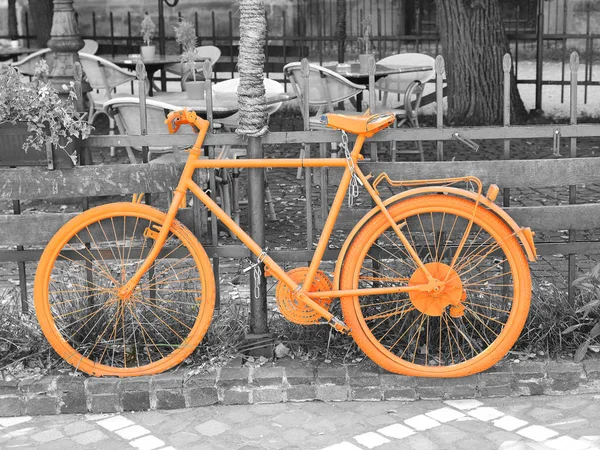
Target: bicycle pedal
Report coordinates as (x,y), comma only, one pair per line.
(340,326)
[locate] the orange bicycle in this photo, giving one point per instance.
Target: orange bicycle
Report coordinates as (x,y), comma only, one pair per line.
(432,281)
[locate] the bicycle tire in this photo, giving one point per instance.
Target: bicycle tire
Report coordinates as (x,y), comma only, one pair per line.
(95,330)
(464,329)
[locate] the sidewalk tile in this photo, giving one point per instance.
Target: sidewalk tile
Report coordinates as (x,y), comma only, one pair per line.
(567,443)
(396,431)
(485,413)
(537,433)
(371,439)
(463,404)
(421,422)
(132,432)
(147,443)
(509,423)
(445,414)
(115,423)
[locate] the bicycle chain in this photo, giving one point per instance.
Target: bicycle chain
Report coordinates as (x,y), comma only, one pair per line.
(353,191)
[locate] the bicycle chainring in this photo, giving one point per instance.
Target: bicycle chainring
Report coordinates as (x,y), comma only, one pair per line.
(298,312)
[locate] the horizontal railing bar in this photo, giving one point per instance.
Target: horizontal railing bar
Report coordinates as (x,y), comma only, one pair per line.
(397,134)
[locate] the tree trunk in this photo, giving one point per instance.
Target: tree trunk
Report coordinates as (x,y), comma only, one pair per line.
(41,12)
(340,29)
(13,30)
(473,45)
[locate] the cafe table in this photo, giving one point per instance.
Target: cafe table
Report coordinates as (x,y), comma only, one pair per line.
(152,65)
(359,74)
(7,52)
(224,105)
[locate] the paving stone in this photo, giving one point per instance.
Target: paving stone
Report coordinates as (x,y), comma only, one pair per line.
(90,437)
(327,374)
(132,432)
(77,427)
(293,418)
(102,385)
(201,380)
(295,435)
(343,446)
(421,422)
(11,405)
(135,400)
(419,441)
(268,395)
(147,443)
(211,428)
(167,380)
(42,405)
(6,422)
(447,434)
(9,387)
(255,432)
(509,423)
(380,420)
(366,393)
(201,396)
(566,442)
(231,397)
(170,399)
(396,431)
(107,403)
(135,384)
(115,423)
(301,393)
(230,377)
(331,393)
(371,439)
(61,444)
(72,402)
(537,433)
(47,436)
(405,394)
(267,376)
(183,439)
(485,413)
(299,373)
(444,415)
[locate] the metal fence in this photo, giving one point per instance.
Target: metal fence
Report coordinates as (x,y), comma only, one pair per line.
(33,231)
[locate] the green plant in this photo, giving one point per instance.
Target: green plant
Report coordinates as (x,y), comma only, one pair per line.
(185,35)
(589,292)
(49,117)
(148,29)
(365,39)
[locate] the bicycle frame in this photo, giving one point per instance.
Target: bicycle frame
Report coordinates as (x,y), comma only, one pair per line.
(301,293)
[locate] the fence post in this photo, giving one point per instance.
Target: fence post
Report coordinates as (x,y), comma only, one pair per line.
(574,66)
(539,56)
(439,99)
(506,66)
(304,74)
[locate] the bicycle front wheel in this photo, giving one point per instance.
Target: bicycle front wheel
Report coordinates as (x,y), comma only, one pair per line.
(465,326)
(95,329)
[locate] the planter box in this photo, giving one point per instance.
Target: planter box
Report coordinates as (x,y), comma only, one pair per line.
(12,138)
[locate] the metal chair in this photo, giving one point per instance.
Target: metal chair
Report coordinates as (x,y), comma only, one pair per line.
(203,52)
(90,47)
(326,90)
(103,77)
(26,66)
(409,87)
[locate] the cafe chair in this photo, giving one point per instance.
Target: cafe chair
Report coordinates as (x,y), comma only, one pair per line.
(26,66)
(203,52)
(103,77)
(90,47)
(230,123)
(326,89)
(408,88)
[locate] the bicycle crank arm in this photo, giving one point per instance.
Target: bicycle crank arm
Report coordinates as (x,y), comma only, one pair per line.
(330,318)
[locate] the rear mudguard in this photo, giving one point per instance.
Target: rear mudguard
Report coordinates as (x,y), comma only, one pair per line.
(524,234)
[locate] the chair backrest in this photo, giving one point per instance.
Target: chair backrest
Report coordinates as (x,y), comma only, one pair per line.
(26,66)
(102,74)
(90,47)
(397,83)
(128,110)
(272,87)
(325,86)
(203,52)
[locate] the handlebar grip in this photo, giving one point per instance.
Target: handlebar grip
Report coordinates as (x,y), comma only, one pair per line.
(181,117)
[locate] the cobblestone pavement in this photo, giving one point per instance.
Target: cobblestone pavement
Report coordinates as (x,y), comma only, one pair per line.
(559,423)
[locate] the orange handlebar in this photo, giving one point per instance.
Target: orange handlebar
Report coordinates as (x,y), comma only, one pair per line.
(181,117)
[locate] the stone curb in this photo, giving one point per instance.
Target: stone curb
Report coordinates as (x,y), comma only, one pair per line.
(286,381)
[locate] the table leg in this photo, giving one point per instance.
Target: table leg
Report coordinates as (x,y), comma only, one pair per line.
(151,81)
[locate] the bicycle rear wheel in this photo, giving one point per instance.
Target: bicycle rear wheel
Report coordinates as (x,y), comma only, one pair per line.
(463,328)
(93,328)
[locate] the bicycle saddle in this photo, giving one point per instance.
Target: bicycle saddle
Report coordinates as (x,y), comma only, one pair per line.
(367,125)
